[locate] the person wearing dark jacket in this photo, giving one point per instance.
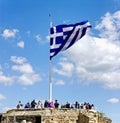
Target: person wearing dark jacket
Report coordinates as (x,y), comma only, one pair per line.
(33,104)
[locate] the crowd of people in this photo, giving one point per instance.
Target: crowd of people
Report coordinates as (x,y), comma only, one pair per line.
(55,104)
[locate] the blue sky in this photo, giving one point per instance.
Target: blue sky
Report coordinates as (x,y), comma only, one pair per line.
(87,72)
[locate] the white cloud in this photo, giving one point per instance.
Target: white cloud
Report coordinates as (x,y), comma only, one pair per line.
(48,38)
(38,38)
(28,79)
(2,97)
(109,26)
(66,68)
(97,62)
(96,59)
(24,68)
(28,75)
(5,79)
(7,33)
(59,82)
(25,73)
(20,44)
(113,100)
(18,60)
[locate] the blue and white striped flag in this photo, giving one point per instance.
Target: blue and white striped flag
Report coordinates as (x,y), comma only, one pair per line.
(64,36)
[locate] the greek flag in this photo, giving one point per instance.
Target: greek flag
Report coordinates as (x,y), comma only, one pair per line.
(64,36)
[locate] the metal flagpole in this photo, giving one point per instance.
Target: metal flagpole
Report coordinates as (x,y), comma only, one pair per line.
(50,86)
(50,72)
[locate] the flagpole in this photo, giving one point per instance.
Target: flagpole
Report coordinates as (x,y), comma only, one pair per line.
(50,82)
(50,72)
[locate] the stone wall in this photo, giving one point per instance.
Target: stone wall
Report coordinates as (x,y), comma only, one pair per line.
(83,118)
(54,116)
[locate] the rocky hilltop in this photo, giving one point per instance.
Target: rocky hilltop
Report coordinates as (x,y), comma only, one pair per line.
(52,115)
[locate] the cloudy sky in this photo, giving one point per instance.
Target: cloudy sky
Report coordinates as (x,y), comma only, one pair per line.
(87,72)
